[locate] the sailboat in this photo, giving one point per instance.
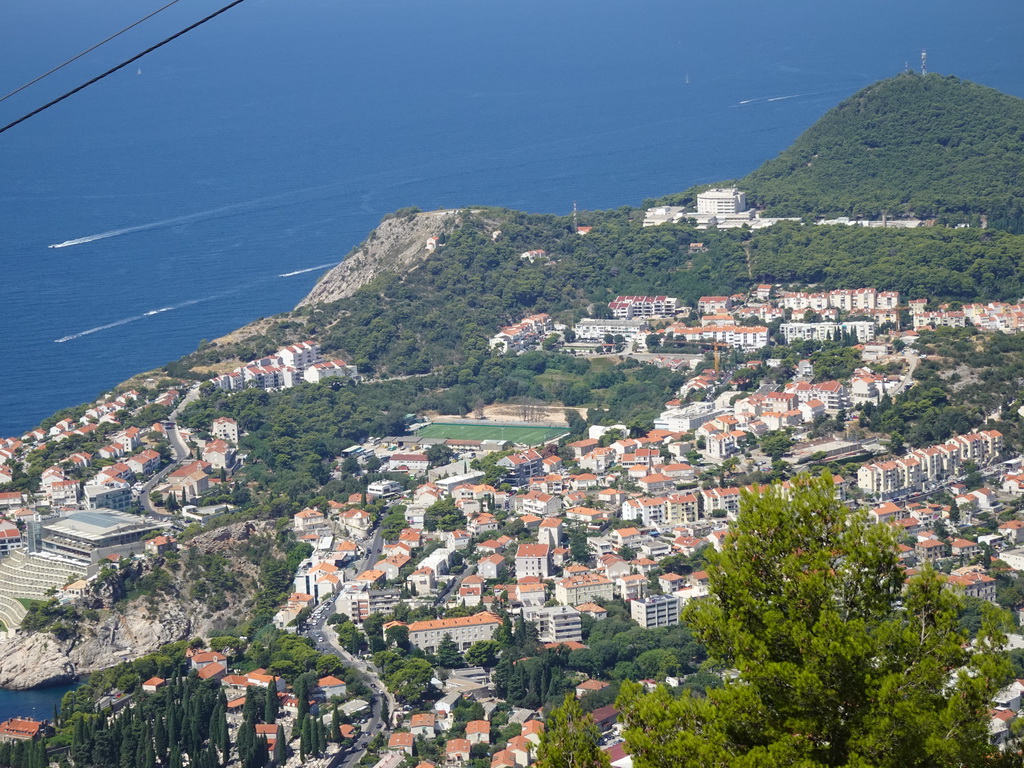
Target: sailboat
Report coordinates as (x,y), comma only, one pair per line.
(139,72)
(687,78)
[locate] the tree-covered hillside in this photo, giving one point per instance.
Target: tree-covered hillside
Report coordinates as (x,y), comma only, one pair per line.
(443,311)
(922,145)
(928,262)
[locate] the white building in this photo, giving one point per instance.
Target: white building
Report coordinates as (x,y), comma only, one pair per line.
(688,417)
(717,201)
(864,330)
(595,329)
(301,355)
(10,538)
(329,369)
(655,611)
(226,429)
(664,214)
(464,631)
(381,488)
(556,624)
(533,560)
(634,307)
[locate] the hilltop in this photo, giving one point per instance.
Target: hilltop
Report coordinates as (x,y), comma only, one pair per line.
(927,146)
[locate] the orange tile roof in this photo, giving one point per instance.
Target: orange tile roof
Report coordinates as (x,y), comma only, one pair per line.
(484,617)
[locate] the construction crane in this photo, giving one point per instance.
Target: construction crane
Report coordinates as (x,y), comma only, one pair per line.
(717,347)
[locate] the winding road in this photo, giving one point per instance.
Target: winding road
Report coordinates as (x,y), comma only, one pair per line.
(325,639)
(179,448)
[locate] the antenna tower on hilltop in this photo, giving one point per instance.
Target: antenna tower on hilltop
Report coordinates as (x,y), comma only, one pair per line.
(575,218)
(924,62)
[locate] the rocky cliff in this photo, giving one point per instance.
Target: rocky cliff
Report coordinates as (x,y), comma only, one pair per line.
(127,630)
(396,245)
(38,659)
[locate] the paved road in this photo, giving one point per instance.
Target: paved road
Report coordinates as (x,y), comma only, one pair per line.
(326,641)
(454,584)
(179,449)
(908,380)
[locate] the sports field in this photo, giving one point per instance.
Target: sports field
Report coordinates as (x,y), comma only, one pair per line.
(516,434)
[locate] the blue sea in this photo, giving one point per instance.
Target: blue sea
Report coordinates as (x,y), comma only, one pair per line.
(212,183)
(38,704)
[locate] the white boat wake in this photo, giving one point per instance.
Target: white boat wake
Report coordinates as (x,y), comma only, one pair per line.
(768,99)
(131,319)
(304,271)
(284,199)
(143,227)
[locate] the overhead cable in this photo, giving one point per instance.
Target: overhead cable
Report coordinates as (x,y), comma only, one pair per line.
(120,66)
(88,50)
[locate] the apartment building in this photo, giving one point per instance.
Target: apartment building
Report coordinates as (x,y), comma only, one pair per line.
(463,630)
(584,588)
(556,624)
(641,307)
(655,611)
(522,466)
(533,560)
(596,329)
(863,330)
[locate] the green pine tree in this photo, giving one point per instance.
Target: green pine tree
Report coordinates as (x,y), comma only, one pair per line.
(570,739)
(448,655)
(840,660)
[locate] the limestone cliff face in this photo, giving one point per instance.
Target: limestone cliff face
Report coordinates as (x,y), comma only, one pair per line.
(131,629)
(40,659)
(396,245)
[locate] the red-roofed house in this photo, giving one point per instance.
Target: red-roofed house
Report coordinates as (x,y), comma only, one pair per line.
(478,732)
(401,742)
(533,560)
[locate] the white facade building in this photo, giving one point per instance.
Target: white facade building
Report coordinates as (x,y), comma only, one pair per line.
(655,611)
(594,329)
(717,201)
(464,631)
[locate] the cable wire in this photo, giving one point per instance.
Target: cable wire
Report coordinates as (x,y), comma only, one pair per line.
(122,65)
(88,50)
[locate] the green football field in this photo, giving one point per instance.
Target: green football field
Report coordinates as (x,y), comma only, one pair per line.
(523,435)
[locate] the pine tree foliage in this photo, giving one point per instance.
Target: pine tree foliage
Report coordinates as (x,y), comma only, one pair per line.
(910,144)
(570,739)
(183,724)
(839,660)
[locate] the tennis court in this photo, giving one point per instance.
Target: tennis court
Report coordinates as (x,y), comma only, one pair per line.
(515,433)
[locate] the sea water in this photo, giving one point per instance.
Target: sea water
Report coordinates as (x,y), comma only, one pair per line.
(38,704)
(215,186)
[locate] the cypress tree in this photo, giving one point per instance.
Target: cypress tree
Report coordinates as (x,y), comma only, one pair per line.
(270,706)
(335,726)
(148,754)
(224,738)
(279,753)
(172,734)
(160,742)
(249,708)
(246,742)
(304,745)
(321,734)
(302,695)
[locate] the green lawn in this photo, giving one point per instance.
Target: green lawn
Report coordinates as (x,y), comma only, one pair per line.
(523,435)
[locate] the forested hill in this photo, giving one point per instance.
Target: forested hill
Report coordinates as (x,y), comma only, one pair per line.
(928,145)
